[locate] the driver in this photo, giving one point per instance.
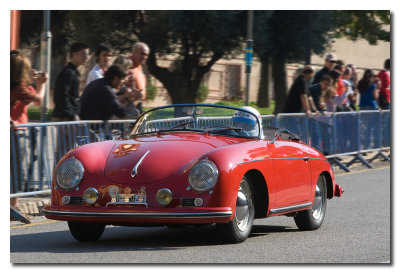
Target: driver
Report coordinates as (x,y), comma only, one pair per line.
(251,124)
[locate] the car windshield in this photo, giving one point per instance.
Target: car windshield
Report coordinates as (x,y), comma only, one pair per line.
(210,119)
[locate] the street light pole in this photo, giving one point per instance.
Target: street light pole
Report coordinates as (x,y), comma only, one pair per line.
(249,53)
(45,59)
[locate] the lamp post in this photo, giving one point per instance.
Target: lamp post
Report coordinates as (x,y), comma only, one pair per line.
(45,59)
(249,53)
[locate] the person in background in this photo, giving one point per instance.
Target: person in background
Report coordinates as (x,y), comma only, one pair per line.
(353,80)
(350,88)
(318,90)
(140,54)
(340,84)
(66,91)
(125,64)
(297,99)
(330,61)
(99,100)
(368,91)
(353,76)
(331,94)
(66,97)
(103,56)
(22,93)
(384,91)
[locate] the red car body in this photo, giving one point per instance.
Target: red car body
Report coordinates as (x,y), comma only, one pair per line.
(284,176)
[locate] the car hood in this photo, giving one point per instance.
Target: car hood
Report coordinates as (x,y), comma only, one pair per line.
(158,156)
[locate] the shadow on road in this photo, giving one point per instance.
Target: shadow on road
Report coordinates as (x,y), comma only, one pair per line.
(129,238)
(262,230)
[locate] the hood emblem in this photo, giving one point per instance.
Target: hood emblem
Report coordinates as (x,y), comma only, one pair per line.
(134,170)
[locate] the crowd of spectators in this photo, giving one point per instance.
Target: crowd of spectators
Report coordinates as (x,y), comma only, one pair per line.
(336,88)
(111,90)
(115,89)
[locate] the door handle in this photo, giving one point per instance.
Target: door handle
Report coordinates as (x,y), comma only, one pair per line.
(306,158)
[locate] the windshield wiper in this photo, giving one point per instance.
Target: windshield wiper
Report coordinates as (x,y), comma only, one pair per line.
(221,129)
(176,126)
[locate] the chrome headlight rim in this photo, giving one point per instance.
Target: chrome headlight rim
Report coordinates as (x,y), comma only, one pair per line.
(69,163)
(208,184)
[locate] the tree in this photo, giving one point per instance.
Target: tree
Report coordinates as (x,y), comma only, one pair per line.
(284,37)
(281,38)
(197,38)
(32,27)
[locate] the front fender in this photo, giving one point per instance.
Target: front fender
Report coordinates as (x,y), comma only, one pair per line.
(233,163)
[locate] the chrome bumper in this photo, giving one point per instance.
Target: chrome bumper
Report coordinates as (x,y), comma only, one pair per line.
(139,215)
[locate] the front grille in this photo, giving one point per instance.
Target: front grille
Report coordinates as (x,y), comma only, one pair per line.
(187,202)
(76,200)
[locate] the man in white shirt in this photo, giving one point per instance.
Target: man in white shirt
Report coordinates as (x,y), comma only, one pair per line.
(103,55)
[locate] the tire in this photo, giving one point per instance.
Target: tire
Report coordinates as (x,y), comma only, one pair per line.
(86,231)
(237,230)
(312,219)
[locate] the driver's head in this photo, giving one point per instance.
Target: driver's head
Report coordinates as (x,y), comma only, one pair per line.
(250,123)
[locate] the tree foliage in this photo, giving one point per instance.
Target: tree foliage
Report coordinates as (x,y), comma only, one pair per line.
(197,38)
(200,38)
(287,36)
(363,24)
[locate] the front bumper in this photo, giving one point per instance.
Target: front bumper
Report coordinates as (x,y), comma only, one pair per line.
(142,215)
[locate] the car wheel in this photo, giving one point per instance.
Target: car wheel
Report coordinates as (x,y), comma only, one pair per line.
(85,231)
(312,219)
(237,230)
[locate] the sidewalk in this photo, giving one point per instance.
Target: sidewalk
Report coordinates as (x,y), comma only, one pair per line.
(33,205)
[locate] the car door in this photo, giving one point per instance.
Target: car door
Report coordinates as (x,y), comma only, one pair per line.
(292,173)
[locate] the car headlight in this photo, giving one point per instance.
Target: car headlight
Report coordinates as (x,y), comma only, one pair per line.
(69,173)
(203,176)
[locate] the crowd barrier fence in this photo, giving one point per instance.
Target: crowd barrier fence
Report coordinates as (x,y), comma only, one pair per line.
(35,148)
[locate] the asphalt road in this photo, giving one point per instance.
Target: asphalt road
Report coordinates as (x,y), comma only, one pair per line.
(357,229)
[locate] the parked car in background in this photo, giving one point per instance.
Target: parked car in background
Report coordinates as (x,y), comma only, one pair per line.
(192,164)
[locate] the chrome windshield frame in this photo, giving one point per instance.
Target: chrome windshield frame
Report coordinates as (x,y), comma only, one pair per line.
(139,119)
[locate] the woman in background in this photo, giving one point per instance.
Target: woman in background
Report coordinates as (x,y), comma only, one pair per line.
(368,91)
(21,94)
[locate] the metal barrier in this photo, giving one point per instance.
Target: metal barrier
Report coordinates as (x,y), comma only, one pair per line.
(37,147)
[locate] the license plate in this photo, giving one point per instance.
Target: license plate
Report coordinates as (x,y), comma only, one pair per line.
(127,198)
(130,198)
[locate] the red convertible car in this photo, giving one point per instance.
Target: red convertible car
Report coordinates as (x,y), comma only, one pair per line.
(191,165)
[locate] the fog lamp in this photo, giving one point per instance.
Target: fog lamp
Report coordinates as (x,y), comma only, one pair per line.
(90,196)
(164,197)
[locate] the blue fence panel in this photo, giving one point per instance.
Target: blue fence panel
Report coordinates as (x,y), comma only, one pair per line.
(321,132)
(386,137)
(346,139)
(296,123)
(370,130)
(268,120)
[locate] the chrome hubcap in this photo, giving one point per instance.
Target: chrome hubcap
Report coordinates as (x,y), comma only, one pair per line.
(242,212)
(318,203)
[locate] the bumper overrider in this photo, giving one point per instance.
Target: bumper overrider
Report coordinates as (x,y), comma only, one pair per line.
(141,215)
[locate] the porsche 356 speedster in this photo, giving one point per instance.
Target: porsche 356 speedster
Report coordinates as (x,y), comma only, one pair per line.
(192,164)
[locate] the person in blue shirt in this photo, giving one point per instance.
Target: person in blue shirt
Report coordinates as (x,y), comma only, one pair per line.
(368,91)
